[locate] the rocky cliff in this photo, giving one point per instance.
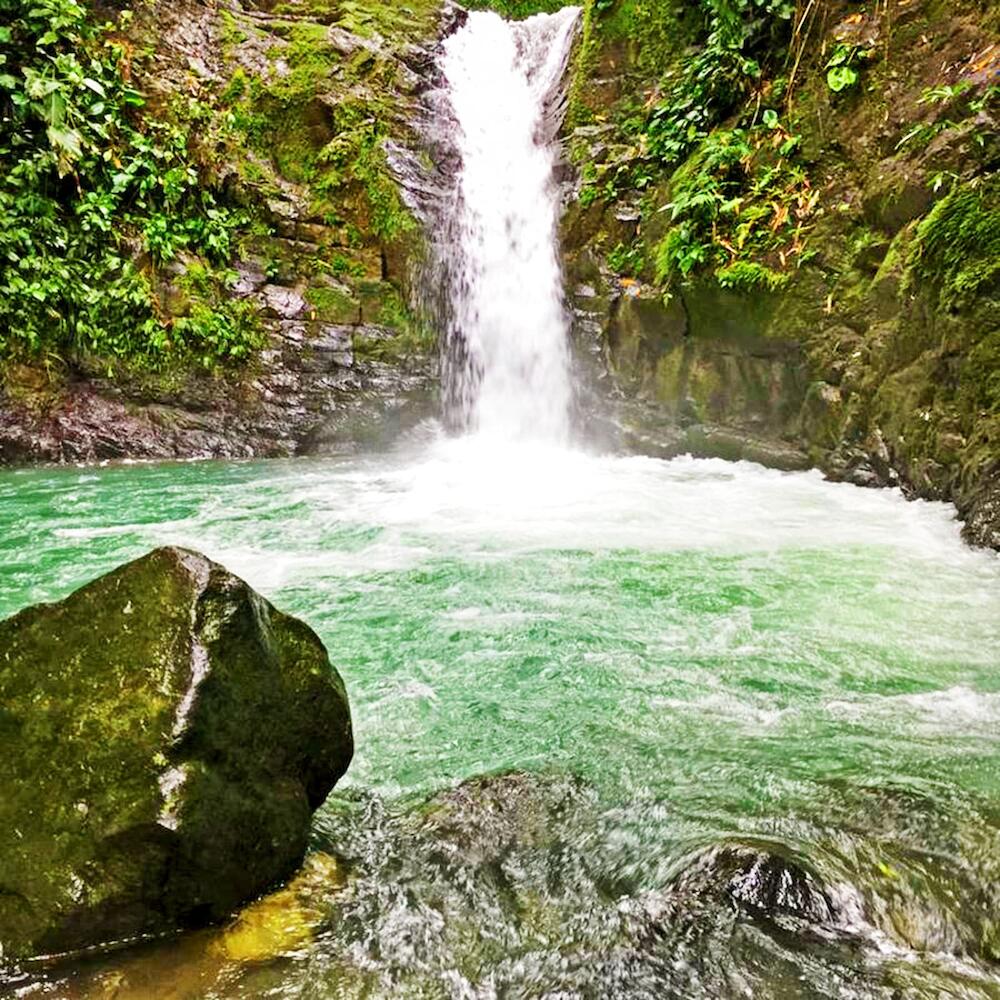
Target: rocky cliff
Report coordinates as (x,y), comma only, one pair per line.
(807,276)
(289,116)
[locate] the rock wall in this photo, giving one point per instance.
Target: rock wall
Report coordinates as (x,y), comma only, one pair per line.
(875,356)
(294,112)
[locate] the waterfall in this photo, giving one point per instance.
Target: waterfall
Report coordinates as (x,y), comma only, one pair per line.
(507,362)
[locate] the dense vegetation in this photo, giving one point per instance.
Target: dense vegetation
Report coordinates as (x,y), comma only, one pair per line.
(99,194)
(712,147)
(95,195)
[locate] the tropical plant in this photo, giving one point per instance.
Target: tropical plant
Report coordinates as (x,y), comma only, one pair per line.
(722,72)
(94,196)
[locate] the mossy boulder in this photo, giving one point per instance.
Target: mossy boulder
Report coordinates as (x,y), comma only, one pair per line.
(167,734)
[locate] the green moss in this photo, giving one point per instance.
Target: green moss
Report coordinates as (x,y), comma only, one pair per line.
(367,18)
(704,388)
(517,8)
(657,31)
(102,715)
(334,147)
(75,753)
(981,376)
(411,335)
(668,379)
(232,31)
(747,277)
(957,247)
(332,305)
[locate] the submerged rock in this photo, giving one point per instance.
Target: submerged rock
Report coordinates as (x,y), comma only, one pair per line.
(761,884)
(734,882)
(167,734)
(286,920)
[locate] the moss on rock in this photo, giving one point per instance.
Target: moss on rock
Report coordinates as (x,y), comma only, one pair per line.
(836,253)
(167,735)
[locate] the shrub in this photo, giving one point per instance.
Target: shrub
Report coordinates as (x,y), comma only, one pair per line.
(89,185)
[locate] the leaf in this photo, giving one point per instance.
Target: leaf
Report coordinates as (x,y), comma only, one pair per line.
(96,87)
(7,82)
(840,78)
(67,141)
(841,55)
(790,145)
(771,118)
(37,85)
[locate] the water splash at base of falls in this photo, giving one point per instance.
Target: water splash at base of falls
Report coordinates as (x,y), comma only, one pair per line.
(507,370)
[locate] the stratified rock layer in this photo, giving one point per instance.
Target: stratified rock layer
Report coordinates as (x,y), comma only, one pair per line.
(167,734)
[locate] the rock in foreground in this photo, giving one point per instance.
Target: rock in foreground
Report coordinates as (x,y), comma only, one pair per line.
(166,736)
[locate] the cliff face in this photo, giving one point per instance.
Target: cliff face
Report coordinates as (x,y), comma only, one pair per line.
(815,280)
(290,114)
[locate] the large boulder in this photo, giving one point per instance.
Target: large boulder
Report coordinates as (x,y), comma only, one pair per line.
(166,736)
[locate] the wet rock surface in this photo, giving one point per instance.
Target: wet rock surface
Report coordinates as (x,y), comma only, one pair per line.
(530,885)
(341,348)
(308,394)
(659,380)
(864,361)
(167,735)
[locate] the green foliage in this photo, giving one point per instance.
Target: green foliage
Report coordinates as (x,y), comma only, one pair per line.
(597,185)
(741,196)
(747,276)
(683,250)
(217,327)
(88,187)
(740,33)
(944,93)
(226,332)
(963,108)
(839,78)
(842,70)
(957,247)
(627,260)
(517,8)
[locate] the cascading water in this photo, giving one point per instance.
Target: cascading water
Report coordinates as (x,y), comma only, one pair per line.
(508,369)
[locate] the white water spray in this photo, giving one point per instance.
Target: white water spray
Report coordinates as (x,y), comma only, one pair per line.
(507,342)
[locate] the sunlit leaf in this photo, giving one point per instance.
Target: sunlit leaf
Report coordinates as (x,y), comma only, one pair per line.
(840,78)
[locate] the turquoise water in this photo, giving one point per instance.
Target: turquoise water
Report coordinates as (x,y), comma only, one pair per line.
(718,653)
